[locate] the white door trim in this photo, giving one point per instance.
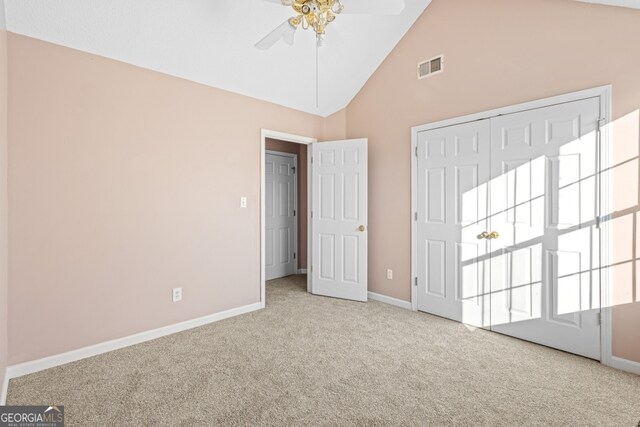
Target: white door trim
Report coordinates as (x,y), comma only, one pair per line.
(604,93)
(264,134)
(295,202)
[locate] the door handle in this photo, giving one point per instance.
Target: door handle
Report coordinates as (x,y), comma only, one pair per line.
(488,236)
(362,228)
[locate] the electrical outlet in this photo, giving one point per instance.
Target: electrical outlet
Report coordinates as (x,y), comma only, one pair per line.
(389,274)
(177,294)
(243,202)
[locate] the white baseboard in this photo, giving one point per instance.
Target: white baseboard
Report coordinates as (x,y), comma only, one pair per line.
(5,387)
(25,368)
(389,300)
(302,271)
(624,365)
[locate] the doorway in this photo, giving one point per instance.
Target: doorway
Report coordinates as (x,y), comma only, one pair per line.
(506,229)
(295,215)
(336,236)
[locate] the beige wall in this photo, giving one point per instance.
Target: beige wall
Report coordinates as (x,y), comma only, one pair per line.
(497,53)
(301,151)
(3,203)
(123,184)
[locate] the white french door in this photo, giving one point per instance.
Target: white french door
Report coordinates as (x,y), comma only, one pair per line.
(338,236)
(280,215)
(506,234)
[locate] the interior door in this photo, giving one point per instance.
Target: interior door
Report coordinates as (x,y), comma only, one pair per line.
(280,191)
(543,207)
(453,174)
(339,219)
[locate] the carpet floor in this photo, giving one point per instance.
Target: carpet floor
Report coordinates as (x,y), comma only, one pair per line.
(307,360)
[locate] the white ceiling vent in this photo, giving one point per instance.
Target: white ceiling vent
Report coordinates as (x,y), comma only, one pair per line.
(430,67)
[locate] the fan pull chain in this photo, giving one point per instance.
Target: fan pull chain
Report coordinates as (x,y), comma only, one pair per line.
(317,76)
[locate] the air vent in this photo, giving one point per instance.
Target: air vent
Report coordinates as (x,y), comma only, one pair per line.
(430,67)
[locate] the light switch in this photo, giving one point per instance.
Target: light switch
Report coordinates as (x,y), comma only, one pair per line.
(243,202)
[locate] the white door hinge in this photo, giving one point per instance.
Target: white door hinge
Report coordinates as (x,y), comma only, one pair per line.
(599,318)
(415,216)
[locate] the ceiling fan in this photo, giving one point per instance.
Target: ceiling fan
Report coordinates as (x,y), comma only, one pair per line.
(318,14)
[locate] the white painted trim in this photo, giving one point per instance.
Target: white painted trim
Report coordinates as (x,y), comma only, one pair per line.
(414,223)
(389,300)
(604,93)
(264,134)
(5,388)
(539,103)
(296,208)
(26,368)
(606,327)
(302,271)
(624,365)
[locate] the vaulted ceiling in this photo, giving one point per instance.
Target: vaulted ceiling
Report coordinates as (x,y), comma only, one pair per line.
(212,42)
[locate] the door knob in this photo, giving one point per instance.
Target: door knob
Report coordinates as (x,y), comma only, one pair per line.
(488,236)
(362,228)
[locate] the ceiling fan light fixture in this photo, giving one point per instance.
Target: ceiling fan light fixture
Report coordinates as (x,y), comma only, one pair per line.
(316,14)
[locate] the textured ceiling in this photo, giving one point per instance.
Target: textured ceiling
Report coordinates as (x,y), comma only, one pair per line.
(212,42)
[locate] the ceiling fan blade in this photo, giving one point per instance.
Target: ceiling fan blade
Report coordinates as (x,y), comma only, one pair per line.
(374,7)
(284,31)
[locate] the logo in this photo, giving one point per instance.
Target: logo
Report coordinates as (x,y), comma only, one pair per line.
(32,416)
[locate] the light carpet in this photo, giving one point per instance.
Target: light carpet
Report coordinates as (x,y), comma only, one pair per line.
(307,360)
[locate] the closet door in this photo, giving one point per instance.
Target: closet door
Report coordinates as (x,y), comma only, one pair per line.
(544,284)
(453,174)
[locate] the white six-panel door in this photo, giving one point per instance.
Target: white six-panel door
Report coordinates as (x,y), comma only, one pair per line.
(506,233)
(453,172)
(339,219)
(280,217)
(543,205)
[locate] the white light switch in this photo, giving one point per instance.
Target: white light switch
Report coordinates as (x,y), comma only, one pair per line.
(389,274)
(243,202)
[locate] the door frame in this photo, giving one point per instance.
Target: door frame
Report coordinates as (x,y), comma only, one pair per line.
(288,137)
(602,92)
(295,203)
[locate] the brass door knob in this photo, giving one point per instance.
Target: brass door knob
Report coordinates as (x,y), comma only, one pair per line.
(362,228)
(483,235)
(493,235)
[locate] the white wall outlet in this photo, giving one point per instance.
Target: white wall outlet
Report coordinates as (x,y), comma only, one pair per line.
(177,294)
(243,202)
(389,274)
